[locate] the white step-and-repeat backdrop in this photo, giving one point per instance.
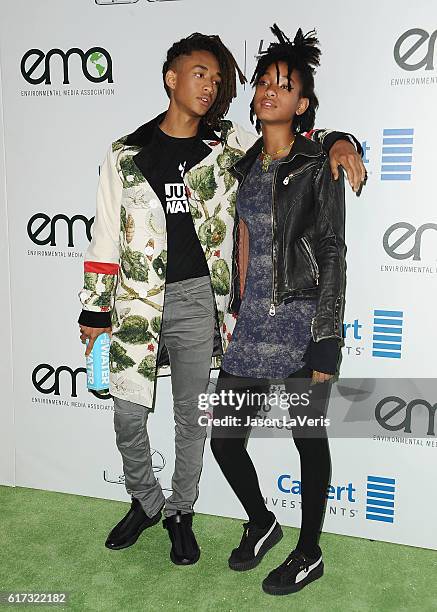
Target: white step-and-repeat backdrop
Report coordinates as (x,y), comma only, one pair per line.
(7,456)
(77,75)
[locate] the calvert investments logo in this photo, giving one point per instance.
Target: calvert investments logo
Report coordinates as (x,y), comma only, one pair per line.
(414,51)
(379,336)
(387,334)
(341,498)
(397,154)
(353,338)
(380,501)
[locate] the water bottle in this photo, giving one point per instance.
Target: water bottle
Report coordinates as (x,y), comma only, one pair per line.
(97,364)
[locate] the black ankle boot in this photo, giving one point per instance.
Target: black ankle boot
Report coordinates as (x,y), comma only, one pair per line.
(184,548)
(131,526)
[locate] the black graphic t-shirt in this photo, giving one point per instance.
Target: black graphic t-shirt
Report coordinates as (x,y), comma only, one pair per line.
(173,157)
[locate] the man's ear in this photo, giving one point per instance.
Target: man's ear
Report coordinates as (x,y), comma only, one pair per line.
(171,79)
(302,106)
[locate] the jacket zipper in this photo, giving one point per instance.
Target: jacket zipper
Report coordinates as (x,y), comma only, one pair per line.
(272,311)
(314,266)
(231,297)
(273,304)
(294,174)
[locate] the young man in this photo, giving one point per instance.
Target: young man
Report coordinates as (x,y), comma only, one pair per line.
(164,231)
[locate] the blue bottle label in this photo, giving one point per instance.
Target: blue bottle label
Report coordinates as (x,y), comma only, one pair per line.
(97,364)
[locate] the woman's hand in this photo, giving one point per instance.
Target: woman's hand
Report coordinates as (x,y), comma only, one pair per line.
(91,333)
(343,153)
(320,377)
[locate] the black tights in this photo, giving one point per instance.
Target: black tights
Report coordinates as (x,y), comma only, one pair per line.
(228,444)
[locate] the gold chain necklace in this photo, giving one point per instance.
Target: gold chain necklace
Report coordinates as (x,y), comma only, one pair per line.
(266,158)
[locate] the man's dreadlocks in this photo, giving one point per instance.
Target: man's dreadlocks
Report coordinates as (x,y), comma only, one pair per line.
(300,54)
(228,67)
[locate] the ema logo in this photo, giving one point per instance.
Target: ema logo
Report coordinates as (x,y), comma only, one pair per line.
(415,39)
(397,153)
(425,412)
(40,221)
(387,333)
(47,380)
(380,499)
(413,248)
(96,65)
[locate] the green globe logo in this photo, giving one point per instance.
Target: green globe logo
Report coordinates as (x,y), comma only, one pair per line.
(97,63)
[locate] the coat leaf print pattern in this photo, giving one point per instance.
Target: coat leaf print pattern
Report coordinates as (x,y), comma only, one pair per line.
(160,264)
(119,360)
(134,264)
(104,298)
(225,161)
(130,229)
(92,282)
(212,232)
(202,182)
(147,367)
(220,277)
(131,174)
(155,324)
(134,330)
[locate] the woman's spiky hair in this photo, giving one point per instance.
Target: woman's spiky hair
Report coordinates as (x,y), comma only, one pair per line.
(301,54)
(228,67)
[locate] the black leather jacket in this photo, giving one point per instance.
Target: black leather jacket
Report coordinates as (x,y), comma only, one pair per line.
(308,248)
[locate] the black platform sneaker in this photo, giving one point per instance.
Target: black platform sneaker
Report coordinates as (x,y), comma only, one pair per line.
(254,544)
(293,575)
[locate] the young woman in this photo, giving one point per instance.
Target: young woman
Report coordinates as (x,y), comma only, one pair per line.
(290,316)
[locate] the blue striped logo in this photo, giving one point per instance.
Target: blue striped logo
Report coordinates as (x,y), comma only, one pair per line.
(380,502)
(387,333)
(397,154)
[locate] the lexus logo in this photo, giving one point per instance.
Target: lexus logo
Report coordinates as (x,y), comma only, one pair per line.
(410,42)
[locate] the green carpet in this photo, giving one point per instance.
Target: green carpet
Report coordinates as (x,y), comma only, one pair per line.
(54,542)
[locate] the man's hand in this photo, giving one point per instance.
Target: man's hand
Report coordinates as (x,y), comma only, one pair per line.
(343,153)
(320,377)
(91,333)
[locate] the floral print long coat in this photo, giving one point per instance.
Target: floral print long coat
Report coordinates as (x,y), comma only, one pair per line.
(125,264)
